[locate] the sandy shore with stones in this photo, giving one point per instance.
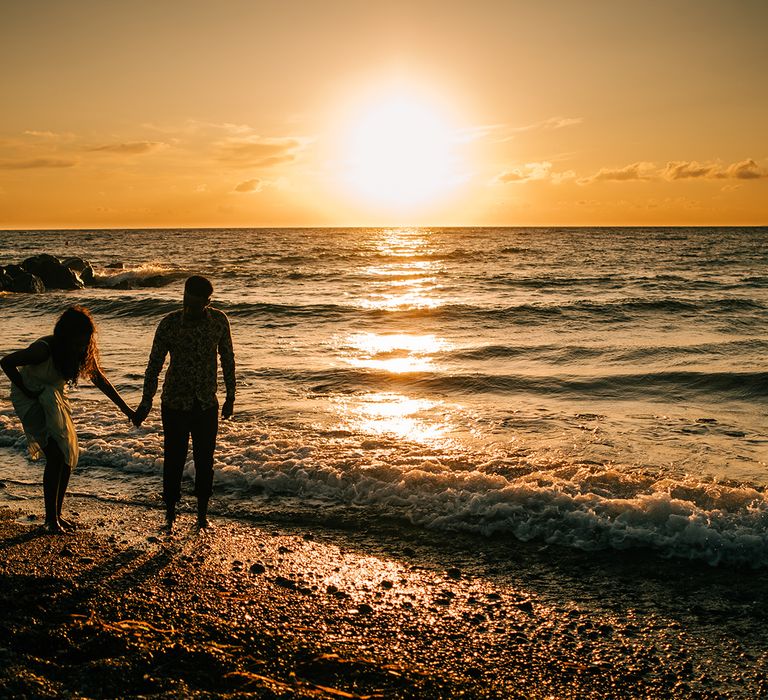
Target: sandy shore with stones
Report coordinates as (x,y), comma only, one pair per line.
(278,609)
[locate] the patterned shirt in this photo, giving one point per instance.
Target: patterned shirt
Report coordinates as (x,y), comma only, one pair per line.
(193,345)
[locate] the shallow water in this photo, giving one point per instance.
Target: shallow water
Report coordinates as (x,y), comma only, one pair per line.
(592,387)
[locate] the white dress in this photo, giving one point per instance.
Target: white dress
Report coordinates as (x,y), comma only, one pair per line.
(49,416)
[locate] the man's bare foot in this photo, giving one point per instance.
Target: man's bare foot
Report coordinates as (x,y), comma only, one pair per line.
(67,525)
(170,519)
(204,524)
(167,526)
(52,527)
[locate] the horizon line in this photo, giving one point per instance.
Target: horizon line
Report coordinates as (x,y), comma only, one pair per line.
(397,226)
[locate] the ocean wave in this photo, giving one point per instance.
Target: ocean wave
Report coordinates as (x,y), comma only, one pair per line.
(664,385)
(548,353)
(138,277)
(591,507)
(100,306)
(564,354)
(555,282)
(735,310)
(664,283)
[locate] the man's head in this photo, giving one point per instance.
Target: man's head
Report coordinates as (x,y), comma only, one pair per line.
(197,295)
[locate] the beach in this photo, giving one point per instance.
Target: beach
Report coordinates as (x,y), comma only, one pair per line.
(450,317)
(284,607)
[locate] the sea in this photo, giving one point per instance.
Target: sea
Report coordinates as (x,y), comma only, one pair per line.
(595,388)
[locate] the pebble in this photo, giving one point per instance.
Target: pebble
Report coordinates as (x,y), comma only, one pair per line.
(526,606)
(257,568)
(285,582)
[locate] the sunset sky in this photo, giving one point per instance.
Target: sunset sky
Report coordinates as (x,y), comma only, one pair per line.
(345,113)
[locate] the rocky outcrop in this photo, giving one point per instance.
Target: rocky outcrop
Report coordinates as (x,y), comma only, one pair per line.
(54,274)
(81,267)
(28,283)
(44,271)
(5,281)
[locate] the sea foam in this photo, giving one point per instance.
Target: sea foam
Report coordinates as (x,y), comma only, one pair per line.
(585,506)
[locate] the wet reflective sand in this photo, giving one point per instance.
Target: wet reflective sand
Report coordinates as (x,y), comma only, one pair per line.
(281,608)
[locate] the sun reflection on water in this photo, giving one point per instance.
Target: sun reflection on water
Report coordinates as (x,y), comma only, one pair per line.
(389,413)
(406,277)
(393,352)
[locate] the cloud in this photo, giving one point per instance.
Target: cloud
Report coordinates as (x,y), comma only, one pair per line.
(560,122)
(550,123)
(502,133)
(527,172)
(258,153)
(249,186)
(566,176)
(635,171)
(33,163)
(42,134)
(475,133)
(535,171)
(746,170)
(682,170)
(641,171)
(130,147)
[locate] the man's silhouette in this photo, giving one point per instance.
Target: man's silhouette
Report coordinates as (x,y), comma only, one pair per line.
(189,407)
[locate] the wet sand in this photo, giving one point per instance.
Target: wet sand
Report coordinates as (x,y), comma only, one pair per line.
(280,608)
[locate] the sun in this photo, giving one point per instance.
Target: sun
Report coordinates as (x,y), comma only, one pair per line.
(400,152)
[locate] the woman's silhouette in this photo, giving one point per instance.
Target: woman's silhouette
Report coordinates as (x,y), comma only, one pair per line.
(38,394)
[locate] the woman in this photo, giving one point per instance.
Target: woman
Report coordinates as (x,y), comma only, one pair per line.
(38,395)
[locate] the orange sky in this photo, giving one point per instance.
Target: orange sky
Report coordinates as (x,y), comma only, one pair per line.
(345,113)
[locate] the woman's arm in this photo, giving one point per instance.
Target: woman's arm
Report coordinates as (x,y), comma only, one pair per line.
(33,355)
(105,386)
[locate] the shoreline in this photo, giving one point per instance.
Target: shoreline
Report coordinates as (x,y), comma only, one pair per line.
(281,608)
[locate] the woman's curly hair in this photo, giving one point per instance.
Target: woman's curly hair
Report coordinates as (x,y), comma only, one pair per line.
(75,321)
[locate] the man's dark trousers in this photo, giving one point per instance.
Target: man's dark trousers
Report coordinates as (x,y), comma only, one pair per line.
(202,425)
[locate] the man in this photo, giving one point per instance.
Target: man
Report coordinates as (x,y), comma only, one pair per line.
(189,405)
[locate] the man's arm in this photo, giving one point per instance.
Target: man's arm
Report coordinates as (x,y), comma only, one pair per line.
(227,355)
(156,361)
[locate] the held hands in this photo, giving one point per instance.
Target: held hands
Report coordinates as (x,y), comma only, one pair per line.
(140,414)
(228,408)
